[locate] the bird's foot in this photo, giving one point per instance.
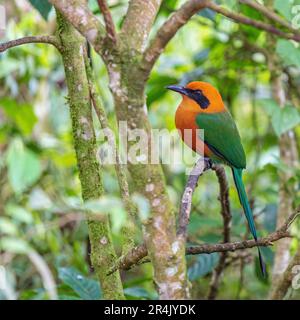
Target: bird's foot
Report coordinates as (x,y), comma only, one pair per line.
(208,163)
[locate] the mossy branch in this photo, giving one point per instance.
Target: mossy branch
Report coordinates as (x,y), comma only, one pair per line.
(102,250)
(129,229)
(78,14)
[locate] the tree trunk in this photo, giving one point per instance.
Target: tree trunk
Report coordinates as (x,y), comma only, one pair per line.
(288,156)
(102,251)
(166,252)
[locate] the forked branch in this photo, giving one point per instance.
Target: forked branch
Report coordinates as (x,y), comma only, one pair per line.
(139,253)
(79,15)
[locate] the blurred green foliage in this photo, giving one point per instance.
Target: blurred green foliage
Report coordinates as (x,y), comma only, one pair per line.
(40,204)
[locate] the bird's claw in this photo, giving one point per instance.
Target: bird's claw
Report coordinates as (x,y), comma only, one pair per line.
(208,162)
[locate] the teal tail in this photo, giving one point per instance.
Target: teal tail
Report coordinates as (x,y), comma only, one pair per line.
(237,176)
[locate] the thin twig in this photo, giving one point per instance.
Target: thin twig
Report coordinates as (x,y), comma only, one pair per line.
(254,23)
(226,215)
(109,23)
(34,39)
(140,252)
(270,14)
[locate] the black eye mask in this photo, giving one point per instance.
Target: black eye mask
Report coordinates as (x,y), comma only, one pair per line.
(199,97)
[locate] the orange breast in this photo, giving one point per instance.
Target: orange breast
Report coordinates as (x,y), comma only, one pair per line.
(185,121)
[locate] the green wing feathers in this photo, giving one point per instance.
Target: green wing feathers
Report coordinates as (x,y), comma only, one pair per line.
(222,137)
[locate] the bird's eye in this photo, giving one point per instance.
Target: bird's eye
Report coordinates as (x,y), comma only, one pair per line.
(198,91)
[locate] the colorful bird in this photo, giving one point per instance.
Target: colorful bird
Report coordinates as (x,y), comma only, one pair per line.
(202,107)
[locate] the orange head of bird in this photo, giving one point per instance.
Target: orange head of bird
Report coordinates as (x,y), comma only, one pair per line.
(200,96)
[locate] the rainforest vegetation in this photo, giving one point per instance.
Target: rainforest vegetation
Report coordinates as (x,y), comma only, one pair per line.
(76,225)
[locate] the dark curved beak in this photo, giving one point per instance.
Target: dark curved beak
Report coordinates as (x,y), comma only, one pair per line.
(179,89)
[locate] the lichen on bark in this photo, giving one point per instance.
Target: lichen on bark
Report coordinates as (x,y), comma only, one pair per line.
(102,250)
(160,230)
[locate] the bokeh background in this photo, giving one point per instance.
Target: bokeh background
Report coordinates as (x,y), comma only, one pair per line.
(43,235)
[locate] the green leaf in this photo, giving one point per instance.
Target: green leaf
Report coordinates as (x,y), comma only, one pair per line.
(288,52)
(204,264)
(14,245)
(43,6)
(21,114)
(87,289)
(284,8)
(8,66)
(24,167)
(137,292)
(7,226)
(19,213)
(269,105)
(155,87)
(283,119)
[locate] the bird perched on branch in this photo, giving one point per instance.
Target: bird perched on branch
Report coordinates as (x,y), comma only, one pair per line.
(202,107)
